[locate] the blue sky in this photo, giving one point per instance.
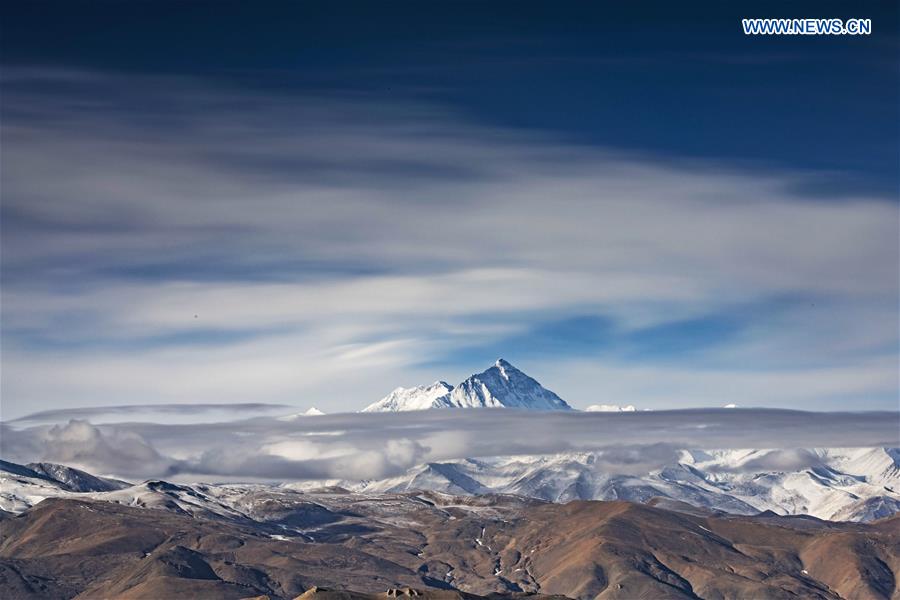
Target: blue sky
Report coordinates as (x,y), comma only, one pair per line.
(213,202)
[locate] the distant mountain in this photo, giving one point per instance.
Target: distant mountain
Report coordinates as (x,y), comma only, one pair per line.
(310,412)
(500,386)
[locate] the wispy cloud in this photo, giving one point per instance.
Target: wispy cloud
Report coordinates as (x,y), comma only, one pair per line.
(168,241)
(135,412)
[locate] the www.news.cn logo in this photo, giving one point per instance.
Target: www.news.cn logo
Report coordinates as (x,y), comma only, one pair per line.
(807,26)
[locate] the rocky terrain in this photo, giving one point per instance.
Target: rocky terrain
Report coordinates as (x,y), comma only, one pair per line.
(160,539)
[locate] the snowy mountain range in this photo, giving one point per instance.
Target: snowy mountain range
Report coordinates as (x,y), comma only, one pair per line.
(838,484)
(844,484)
(159,539)
(847,484)
(500,386)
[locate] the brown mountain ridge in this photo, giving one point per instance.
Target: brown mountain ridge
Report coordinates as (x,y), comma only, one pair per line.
(443,547)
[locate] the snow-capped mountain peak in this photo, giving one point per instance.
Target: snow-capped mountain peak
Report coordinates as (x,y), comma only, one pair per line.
(500,386)
(310,412)
(420,397)
(505,386)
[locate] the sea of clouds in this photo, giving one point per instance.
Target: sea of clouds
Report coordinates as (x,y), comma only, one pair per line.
(354,446)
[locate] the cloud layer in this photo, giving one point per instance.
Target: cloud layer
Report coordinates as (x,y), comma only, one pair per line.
(166,240)
(375,445)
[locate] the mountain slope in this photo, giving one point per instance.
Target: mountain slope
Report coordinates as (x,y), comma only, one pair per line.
(485,545)
(500,386)
(504,386)
(850,484)
(76,480)
(24,486)
(421,397)
(11,468)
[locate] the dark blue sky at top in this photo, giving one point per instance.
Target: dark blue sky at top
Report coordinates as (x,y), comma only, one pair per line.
(674,80)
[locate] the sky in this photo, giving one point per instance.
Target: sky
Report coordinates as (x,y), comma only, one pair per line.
(287,203)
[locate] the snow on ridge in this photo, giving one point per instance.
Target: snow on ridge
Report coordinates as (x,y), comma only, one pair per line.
(421,397)
(852,484)
(500,386)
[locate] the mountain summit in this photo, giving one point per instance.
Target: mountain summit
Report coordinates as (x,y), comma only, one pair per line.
(504,386)
(500,386)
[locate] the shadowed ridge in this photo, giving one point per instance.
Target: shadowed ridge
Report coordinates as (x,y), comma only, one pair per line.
(425,542)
